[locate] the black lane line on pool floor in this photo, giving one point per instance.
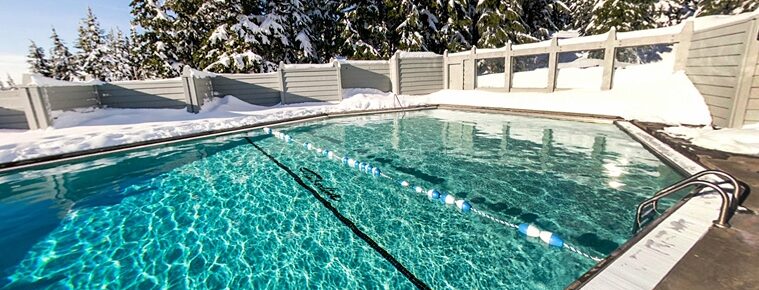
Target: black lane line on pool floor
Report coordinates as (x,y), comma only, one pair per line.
(347,222)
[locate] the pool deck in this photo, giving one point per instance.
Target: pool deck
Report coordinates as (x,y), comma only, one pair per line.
(648,257)
(722,258)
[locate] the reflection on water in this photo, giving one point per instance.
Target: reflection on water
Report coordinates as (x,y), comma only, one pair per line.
(217,214)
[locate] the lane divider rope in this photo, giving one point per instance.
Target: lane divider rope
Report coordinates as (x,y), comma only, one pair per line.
(464,206)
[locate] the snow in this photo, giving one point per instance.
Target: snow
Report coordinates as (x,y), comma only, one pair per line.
(198,74)
(417,54)
(660,97)
(309,65)
(670,30)
(42,81)
(584,73)
(546,43)
(385,62)
(706,22)
(742,141)
(465,52)
(567,34)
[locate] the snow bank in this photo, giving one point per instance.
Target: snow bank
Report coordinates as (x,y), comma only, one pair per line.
(742,141)
(418,54)
(42,81)
(670,30)
(706,22)
(201,74)
(671,100)
(545,43)
(308,65)
(584,73)
(643,92)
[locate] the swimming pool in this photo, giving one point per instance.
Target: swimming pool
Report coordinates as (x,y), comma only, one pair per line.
(253,211)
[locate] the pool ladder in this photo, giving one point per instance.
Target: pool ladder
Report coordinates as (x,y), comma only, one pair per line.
(647,209)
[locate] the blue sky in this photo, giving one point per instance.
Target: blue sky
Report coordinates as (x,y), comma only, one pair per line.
(22,21)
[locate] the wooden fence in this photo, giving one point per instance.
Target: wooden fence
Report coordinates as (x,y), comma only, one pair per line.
(721,61)
(460,69)
(32,107)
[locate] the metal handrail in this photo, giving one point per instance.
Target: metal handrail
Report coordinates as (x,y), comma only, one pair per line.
(736,187)
(729,202)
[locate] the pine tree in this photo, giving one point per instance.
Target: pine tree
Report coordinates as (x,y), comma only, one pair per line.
(154,44)
(298,45)
(244,38)
(62,63)
(92,51)
(501,22)
(581,12)
(726,7)
(141,59)
(544,17)
(11,84)
(118,66)
(38,64)
(460,32)
(672,12)
(364,30)
(623,15)
(419,29)
(325,38)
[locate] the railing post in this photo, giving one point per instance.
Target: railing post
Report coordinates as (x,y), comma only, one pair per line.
(471,59)
(339,68)
(746,73)
(31,117)
(508,68)
(553,60)
(39,107)
(282,88)
(609,59)
(190,92)
(683,45)
(395,72)
(446,71)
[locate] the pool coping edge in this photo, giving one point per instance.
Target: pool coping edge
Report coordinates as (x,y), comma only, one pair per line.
(80,154)
(684,165)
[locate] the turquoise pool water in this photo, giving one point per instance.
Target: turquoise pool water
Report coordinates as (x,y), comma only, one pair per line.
(219,213)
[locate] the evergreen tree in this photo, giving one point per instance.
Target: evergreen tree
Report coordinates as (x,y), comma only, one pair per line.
(92,51)
(118,66)
(38,64)
(140,57)
(419,29)
(623,15)
(152,44)
(544,17)
(364,29)
(581,12)
(460,32)
(11,84)
(325,37)
(672,12)
(501,22)
(726,7)
(62,63)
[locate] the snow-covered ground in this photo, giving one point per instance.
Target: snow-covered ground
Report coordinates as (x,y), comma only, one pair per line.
(670,99)
(743,141)
(583,74)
